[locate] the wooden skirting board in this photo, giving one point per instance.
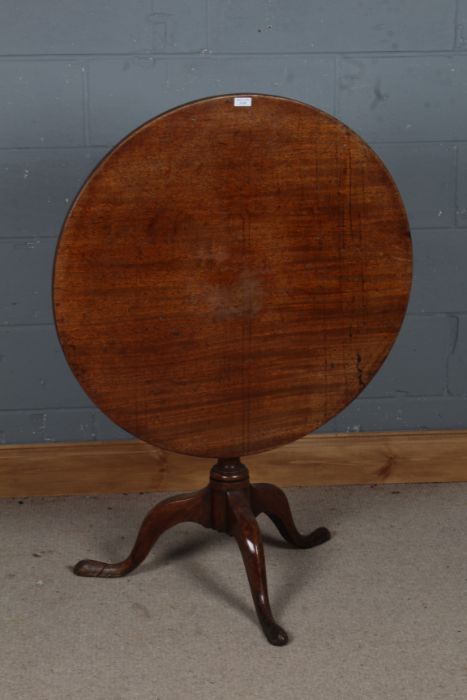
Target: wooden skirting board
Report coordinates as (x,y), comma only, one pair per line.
(133,466)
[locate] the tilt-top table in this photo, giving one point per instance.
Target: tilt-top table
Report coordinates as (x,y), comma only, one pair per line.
(229,278)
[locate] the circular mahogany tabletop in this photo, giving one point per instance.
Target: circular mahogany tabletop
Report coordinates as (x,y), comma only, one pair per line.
(230,277)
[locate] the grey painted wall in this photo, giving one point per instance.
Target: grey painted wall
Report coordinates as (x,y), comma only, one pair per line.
(77,76)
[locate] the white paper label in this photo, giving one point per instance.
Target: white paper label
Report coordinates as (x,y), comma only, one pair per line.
(242,101)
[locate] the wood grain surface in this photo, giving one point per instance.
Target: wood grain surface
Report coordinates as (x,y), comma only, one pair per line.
(229,278)
(56,469)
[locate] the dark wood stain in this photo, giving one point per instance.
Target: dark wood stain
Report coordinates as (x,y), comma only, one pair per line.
(227,280)
(230,504)
(222,269)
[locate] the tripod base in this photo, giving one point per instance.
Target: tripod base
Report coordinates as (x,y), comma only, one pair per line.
(230,504)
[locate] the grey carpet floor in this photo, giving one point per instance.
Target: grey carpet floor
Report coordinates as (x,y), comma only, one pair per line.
(377,613)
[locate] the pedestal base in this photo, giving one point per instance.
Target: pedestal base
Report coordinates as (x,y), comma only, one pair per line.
(230,504)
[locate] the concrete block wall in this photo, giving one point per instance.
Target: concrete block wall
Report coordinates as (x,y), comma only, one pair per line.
(75,77)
